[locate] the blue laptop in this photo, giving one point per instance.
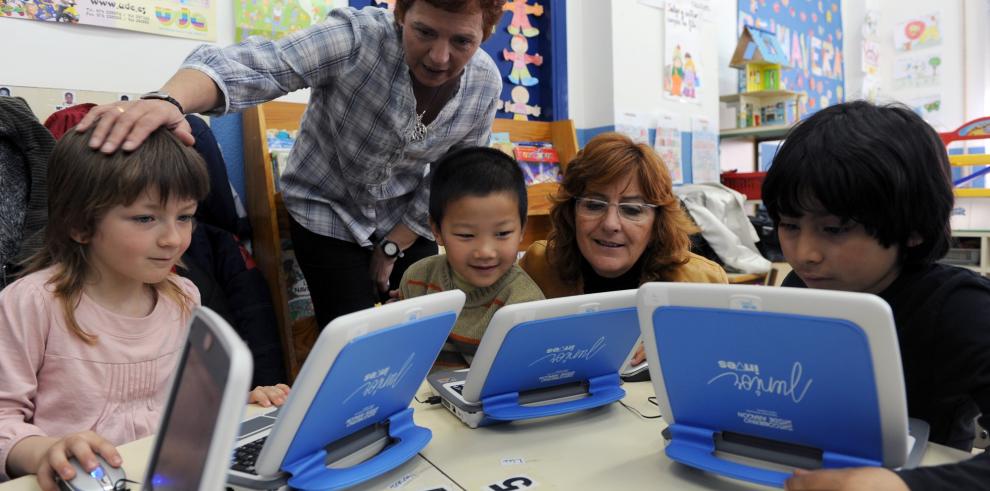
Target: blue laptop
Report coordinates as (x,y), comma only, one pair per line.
(348,418)
(783,377)
(544,358)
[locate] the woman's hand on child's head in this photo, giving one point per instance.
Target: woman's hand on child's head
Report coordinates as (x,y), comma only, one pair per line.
(268,395)
(873,478)
(83,446)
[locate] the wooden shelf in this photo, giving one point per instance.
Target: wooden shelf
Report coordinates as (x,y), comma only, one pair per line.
(760,94)
(564,139)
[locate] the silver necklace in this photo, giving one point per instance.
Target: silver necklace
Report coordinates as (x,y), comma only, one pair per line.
(418,132)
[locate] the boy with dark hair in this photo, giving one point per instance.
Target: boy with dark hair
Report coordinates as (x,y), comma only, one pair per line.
(477,214)
(861,196)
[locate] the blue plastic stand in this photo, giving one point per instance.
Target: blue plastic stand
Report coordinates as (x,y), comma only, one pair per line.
(311,473)
(602,390)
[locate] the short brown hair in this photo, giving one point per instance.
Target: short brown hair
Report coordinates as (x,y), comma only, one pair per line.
(491,11)
(607,158)
(84,184)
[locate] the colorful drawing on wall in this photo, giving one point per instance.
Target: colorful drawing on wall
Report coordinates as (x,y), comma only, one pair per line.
(518,106)
(682,62)
(668,144)
(810,33)
(930,108)
(273,19)
(917,33)
(520,73)
(193,19)
(704,151)
(634,125)
(917,70)
(520,12)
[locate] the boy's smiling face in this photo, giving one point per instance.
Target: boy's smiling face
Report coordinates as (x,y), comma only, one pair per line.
(829,253)
(480,235)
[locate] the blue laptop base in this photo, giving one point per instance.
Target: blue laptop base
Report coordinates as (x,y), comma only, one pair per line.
(359,392)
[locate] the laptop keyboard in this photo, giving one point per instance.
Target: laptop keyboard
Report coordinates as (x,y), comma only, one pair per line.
(246,455)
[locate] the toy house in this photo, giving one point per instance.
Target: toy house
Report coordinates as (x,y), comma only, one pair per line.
(765,102)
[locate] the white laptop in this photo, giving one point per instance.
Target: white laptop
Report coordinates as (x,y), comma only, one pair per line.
(544,358)
(790,377)
(339,425)
(209,392)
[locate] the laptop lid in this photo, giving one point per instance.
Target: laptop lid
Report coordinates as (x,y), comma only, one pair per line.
(205,406)
(541,344)
(816,369)
(364,368)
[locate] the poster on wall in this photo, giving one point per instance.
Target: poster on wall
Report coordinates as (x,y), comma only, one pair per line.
(811,35)
(191,19)
(704,150)
(917,33)
(273,19)
(917,70)
(929,108)
(634,125)
(668,143)
(682,52)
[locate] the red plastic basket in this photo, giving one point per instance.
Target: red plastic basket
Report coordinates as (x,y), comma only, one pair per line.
(748,183)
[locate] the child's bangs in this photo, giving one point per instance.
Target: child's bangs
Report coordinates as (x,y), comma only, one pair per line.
(166,165)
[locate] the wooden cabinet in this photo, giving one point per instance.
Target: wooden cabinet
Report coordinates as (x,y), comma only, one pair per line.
(270,223)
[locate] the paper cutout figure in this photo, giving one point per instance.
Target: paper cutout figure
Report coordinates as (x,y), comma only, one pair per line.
(518,106)
(520,17)
(520,73)
(691,80)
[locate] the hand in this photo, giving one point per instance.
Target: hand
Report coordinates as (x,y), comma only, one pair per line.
(83,446)
(381,269)
(639,356)
(266,395)
(126,125)
(393,296)
(872,478)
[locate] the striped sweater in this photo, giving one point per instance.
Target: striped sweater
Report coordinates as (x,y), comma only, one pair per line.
(434,274)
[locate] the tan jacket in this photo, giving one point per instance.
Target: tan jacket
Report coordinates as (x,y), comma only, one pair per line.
(696,270)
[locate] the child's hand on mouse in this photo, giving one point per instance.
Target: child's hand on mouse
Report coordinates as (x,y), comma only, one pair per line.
(83,446)
(267,395)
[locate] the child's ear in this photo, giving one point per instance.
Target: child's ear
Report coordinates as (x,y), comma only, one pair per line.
(437,236)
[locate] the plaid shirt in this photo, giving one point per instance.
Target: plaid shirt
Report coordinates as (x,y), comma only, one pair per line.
(354,172)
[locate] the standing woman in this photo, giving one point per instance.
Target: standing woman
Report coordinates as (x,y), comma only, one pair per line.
(616,224)
(389,95)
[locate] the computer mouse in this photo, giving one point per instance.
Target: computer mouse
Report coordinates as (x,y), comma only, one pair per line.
(103,478)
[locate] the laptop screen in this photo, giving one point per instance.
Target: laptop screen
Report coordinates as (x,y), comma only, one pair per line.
(188,426)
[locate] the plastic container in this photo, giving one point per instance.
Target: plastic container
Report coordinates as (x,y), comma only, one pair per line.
(748,183)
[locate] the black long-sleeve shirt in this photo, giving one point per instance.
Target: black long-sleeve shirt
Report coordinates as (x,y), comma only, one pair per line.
(942,314)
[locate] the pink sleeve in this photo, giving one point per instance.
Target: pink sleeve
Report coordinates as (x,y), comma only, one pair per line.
(24,325)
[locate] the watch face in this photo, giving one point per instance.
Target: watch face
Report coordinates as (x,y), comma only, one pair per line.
(390,249)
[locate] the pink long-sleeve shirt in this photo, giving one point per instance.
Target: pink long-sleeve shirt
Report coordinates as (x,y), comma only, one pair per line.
(52,383)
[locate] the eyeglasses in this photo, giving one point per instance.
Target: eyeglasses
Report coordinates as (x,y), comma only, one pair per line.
(596,208)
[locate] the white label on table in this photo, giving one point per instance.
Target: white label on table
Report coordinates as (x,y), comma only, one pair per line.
(513,461)
(513,483)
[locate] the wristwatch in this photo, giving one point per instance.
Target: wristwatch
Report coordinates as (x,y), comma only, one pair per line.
(163,96)
(390,249)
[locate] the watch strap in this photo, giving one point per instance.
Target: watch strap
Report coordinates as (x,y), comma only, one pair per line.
(161,96)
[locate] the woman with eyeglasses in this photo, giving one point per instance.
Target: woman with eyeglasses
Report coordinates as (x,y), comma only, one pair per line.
(616,224)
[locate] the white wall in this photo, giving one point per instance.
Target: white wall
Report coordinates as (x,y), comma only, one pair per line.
(91,58)
(589,63)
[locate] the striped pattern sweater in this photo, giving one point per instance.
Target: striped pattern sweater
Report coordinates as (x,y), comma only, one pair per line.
(434,274)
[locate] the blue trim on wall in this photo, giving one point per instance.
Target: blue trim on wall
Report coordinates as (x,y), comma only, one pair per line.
(586,134)
(558,69)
